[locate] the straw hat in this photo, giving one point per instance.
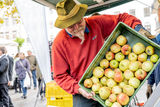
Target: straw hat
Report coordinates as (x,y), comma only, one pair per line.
(69,13)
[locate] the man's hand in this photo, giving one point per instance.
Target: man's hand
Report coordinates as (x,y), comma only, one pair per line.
(9,83)
(146,33)
(149,91)
(86,94)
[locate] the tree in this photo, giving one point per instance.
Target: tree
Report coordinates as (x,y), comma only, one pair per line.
(20,42)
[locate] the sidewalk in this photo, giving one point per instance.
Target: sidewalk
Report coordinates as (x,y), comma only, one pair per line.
(29,102)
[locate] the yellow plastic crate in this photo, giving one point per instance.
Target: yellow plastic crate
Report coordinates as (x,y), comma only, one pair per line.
(57,97)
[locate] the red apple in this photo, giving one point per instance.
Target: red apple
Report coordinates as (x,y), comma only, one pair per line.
(138,48)
(109,73)
(121,40)
(154,58)
(149,50)
(128,74)
(116,104)
(112,98)
(134,82)
(132,57)
(123,99)
(142,57)
(111,83)
(104,92)
(109,56)
(116,90)
(115,48)
(88,83)
(103,80)
(94,79)
(140,74)
(98,72)
(147,66)
(108,103)
(104,63)
(118,76)
(134,65)
(129,90)
(126,49)
(96,87)
(124,65)
(119,56)
(113,64)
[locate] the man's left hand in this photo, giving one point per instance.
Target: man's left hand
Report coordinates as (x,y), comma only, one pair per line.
(9,83)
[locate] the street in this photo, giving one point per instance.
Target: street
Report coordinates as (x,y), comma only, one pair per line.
(29,102)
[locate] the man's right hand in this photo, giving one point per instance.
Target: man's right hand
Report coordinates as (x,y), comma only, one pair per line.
(149,91)
(86,94)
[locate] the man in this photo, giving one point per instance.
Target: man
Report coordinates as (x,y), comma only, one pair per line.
(4,63)
(78,43)
(33,63)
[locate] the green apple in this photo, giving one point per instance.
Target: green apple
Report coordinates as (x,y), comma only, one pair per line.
(142,57)
(104,63)
(121,40)
(128,74)
(134,65)
(103,80)
(132,57)
(138,48)
(98,72)
(124,65)
(147,66)
(154,58)
(149,50)
(113,64)
(134,82)
(115,48)
(119,56)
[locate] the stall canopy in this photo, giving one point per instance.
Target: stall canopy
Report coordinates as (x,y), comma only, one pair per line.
(93,5)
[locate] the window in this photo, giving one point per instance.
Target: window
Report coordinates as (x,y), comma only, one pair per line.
(146,11)
(132,12)
(1,35)
(7,35)
(148,27)
(14,34)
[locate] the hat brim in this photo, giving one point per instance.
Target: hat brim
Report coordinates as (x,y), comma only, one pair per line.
(68,22)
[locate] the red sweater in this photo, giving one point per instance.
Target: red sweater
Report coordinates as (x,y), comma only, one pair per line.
(71,59)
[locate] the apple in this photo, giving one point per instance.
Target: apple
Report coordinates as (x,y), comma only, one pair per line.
(128,74)
(88,83)
(112,98)
(140,74)
(154,58)
(149,50)
(103,80)
(134,82)
(96,87)
(142,57)
(125,81)
(121,40)
(116,90)
(122,84)
(129,90)
(118,76)
(123,99)
(113,64)
(126,49)
(104,63)
(132,57)
(109,73)
(134,65)
(111,83)
(109,56)
(140,65)
(98,72)
(94,79)
(124,65)
(116,104)
(108,103)
(119,56)
(147,66)
(104,92)
(138,48)
(115,48)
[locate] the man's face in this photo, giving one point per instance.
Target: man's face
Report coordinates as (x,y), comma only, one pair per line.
(29,53)
(77,29)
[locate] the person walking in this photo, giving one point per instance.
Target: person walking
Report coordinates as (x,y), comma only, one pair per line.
(33,63)
(78,42)
(23,71)
(4,79)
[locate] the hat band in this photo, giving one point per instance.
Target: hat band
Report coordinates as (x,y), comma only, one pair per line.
(71,14)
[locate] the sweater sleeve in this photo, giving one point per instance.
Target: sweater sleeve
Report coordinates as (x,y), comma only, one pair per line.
(61,69)
(109,22)
(151,79)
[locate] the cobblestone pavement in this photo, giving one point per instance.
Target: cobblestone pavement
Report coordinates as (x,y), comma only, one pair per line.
(29,102)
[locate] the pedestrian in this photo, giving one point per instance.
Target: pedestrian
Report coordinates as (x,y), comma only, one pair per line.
(15,76)
(23,71)
(41,84)
(33,63)
(77,44)
(4,79)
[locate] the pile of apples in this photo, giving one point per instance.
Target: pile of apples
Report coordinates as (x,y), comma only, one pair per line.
(121,72)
